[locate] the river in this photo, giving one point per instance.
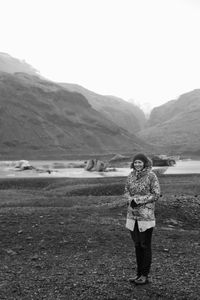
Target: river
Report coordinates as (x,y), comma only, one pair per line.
(74,169)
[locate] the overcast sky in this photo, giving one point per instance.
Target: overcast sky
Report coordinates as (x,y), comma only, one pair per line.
(146,50)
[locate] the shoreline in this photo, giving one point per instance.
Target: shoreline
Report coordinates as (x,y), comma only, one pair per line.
(84,176)
(42,182)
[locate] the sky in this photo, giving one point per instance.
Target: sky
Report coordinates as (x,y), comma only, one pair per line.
(147,51)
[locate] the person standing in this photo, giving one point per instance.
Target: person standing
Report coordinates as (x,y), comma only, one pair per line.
(142,190)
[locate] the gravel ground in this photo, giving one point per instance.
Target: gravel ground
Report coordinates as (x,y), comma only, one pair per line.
(65,239)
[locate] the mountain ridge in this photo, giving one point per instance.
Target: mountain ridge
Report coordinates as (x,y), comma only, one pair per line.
(37,113)
(39,118)
(175,124)
(121,112)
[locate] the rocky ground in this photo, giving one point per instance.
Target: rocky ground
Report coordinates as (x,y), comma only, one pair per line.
(65,239)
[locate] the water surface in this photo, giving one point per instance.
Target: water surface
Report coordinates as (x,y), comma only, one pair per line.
(75,169)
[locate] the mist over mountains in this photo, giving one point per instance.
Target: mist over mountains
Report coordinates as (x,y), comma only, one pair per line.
(12,65)
(43,119)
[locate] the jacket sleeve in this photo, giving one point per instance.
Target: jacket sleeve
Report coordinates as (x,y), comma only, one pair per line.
(127,196)
(154,191)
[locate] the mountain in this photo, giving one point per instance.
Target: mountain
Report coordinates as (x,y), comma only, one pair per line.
(40,119)
(176,124)
(12,65)
(119,111)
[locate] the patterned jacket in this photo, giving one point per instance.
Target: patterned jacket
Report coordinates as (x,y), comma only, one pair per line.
(144,188)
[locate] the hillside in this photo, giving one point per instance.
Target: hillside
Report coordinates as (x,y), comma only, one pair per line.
(175,124)
(121,112)
(40,119)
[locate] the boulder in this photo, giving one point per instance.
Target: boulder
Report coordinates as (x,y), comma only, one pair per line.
(23,165)
(100,166)
(89,165)
(95,165)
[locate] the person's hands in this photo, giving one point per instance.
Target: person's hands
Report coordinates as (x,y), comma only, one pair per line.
(133,204)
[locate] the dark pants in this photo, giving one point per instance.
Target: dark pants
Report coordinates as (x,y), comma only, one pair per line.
(142,241)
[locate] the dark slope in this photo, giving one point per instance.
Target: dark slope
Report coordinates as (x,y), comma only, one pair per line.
(40,119)
(121,112)
(176,124)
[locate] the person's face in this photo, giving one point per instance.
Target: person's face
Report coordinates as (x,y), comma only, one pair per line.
(138,165)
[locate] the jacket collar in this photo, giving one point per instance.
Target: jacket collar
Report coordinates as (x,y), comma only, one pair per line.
(142,173)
